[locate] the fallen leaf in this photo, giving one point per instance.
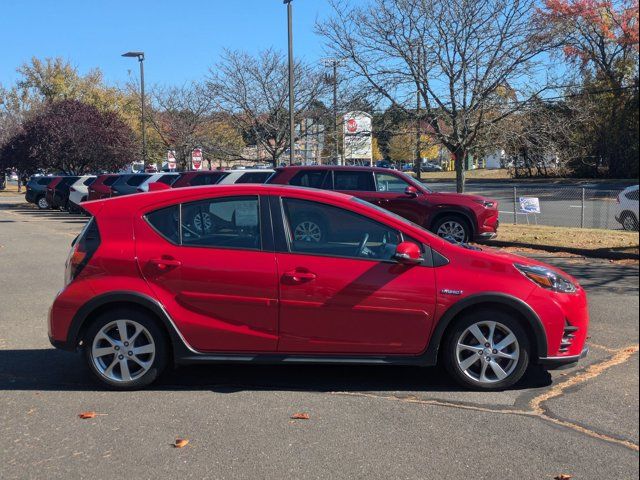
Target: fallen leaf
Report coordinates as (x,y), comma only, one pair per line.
(86,415)
(300,416)
(563,476)
(181,443)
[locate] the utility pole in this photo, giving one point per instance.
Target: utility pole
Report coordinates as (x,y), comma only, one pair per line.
(292,123)
(418,157)
(334,63)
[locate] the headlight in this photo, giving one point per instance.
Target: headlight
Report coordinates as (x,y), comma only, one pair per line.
(486,203)
(546,278)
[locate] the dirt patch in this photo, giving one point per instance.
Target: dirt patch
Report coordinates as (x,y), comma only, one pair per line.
(612,244)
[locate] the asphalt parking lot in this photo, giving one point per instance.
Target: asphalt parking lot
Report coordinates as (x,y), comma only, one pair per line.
(365,422)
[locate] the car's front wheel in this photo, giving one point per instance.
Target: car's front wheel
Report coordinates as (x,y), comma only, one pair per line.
(125,349)
(453,228)
(487,350)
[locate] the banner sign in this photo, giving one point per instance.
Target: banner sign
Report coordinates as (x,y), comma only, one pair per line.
(196,159)
(530,204)
(171,160)
(358,136)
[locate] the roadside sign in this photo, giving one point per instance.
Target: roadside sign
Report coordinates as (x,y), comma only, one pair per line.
(358,136)
(530,204)
(196,159)
(171,160)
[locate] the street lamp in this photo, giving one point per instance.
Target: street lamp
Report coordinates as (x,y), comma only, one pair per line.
(292,124)
(140,57)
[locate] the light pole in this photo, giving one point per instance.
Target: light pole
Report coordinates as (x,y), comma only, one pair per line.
(140,57)
(334,63)
(292,123)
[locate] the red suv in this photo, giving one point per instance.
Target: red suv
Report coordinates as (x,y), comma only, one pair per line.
(101,187)
(461,218)
(216,274)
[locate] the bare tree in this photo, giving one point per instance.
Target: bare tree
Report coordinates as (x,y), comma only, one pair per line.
(471,62)
(180,116)
(253,92)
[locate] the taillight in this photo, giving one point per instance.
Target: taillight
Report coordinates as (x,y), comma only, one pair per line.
(82,249)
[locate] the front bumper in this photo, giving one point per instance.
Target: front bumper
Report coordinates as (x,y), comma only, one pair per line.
(560,363)
(486,236)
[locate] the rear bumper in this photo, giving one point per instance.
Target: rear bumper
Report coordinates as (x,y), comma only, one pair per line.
(559,363)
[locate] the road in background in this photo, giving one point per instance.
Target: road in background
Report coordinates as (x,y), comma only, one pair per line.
(560,205)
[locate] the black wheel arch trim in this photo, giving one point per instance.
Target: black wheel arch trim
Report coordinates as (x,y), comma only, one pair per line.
(532,319)
(184,353)
(179,345)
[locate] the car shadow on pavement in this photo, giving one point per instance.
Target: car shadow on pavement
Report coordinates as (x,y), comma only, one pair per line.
(55,370)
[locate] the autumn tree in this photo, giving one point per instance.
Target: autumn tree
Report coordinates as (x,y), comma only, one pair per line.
(70,137)
(600,39)
(460,56)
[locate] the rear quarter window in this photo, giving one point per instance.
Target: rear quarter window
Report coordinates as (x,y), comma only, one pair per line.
(137,180)
(166,222)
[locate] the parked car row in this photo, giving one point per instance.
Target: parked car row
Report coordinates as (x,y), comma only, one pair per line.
(459,218)
(68,192)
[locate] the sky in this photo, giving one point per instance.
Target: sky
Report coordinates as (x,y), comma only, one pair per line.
(180,38)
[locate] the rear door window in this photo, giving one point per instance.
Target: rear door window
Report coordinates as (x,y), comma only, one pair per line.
(207,179)
(354,180)
(232,222)
(312,179)
(45,180)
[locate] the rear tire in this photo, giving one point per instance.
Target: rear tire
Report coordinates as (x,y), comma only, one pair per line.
(125,349)
(486,349)
(629,221)
(42,203)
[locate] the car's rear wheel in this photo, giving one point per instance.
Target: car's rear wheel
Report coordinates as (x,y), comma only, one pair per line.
(125,349)
(629,221)
(487,350)
(42,203)
(453,227)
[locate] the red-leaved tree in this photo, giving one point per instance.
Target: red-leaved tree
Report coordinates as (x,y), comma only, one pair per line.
(70,137)
(601,35)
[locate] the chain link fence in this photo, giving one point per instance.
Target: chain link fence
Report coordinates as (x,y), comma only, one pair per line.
(559,206)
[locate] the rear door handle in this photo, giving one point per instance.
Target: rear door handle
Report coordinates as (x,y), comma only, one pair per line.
(166,263)
(297,276)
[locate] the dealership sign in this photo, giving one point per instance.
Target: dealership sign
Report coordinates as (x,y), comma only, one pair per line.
(196,159)
(358,136)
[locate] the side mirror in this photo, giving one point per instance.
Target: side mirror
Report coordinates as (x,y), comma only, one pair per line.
(408,253)
(157,186)
(411,191)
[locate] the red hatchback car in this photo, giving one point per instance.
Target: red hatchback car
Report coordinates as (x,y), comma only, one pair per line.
(215,274)
(460,217)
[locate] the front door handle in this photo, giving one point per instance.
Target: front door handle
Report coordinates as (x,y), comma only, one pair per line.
(298,276)
(165,263)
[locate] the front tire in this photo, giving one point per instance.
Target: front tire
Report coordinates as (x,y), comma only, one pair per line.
(125,349)
(486,349)
(454,227)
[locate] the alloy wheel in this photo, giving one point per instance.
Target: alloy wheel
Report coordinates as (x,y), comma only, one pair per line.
(629,223)
(487,352)
(42,203)
(123,351)
(202,222)
(453,230)
(307,231)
